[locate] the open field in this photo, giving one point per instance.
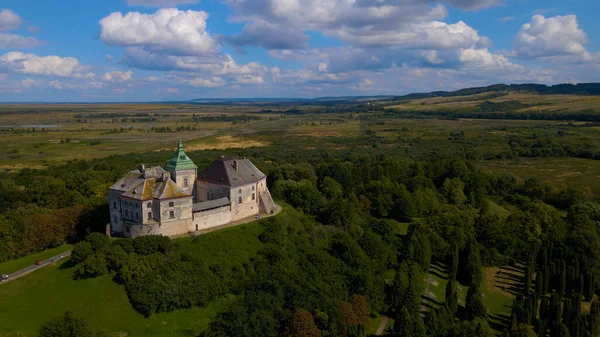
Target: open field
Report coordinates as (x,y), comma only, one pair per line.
(577,172)
(565,103)
(32,300)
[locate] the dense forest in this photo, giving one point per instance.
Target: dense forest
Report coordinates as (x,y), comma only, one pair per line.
(338,254)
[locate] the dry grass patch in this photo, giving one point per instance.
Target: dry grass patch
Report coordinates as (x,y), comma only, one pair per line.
(226,142)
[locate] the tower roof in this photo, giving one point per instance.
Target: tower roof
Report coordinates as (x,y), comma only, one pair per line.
(231,171)
(180,160)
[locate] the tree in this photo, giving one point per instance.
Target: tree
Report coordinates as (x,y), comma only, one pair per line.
(453,190)
(302,324)
(474,304)
(348,318)
(451,296)
(361,309)
(523,330)
(67,325)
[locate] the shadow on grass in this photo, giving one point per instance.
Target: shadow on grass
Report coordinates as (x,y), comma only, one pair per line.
(499,322)
(432,300)
(435,273)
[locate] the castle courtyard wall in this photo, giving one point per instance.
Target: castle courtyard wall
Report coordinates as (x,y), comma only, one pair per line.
(211,218)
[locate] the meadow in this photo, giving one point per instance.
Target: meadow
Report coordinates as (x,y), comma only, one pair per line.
(30,301)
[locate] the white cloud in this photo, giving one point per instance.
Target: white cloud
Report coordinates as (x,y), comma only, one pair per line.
(17,41)
(33,64)
(160,3)
(9,20)
(270,36)
(117,76)
(549,37)
(203,82)
(506,18)
(28,83)
(169,31)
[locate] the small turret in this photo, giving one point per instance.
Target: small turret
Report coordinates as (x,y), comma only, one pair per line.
(182,169)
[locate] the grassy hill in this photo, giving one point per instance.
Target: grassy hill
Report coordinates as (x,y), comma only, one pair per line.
(30,301)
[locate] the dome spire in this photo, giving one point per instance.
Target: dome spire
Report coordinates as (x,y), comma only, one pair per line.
(180,160)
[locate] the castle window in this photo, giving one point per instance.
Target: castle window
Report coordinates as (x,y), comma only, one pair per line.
(171,204)
(171,215)
(114,205)
(137,215)
(149,205)
(239,200)
(240,191)
(185,182)
(126,213)
(253,196)
(149,215)
(253,188)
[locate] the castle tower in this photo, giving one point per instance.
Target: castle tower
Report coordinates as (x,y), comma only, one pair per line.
(182,169)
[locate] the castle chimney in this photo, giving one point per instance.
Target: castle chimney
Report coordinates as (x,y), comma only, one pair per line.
(142,168)
(235,165)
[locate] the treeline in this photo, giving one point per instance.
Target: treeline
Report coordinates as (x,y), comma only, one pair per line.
(330,109)
(225,118)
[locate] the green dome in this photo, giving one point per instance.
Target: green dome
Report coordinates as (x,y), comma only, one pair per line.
(180,161)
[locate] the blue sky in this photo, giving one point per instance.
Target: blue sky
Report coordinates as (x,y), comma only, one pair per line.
(149,50)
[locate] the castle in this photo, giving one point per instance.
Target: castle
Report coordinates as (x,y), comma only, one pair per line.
(178,200)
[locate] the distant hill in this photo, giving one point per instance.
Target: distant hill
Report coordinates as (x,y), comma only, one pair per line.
(558,89)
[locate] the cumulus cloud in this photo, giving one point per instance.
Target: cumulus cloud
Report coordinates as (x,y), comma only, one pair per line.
(269,36)
(9,20)
(117,76)
(160,3)
(168,30)
(33,64)
(549,37)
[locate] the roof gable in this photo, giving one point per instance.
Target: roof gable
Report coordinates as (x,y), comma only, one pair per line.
(231,172)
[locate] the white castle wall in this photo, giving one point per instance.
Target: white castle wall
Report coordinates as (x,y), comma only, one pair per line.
(211,218)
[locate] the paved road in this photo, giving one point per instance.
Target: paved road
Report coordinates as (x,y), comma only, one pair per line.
(34,267)
(382,325)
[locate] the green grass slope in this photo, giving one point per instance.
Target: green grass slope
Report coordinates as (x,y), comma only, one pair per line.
(26,261)
(29,302)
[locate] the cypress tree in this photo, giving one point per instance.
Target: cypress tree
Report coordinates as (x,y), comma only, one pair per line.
(539,283)
(474,304)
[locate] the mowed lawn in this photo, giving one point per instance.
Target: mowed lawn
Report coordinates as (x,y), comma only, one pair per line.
(12,266)
(30,301)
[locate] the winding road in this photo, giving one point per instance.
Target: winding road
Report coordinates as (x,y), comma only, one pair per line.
(35,267)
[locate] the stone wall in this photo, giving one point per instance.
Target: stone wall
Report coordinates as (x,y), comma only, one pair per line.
(211,218)
(182,176)
(207,191)
(114,204)
(181,208)
(244,201)
(171,228)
